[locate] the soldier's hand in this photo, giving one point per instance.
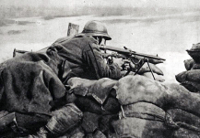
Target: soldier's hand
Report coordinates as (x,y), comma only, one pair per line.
(119,62)
(128,65)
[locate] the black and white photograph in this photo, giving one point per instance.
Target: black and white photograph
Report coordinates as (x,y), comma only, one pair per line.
(99,69)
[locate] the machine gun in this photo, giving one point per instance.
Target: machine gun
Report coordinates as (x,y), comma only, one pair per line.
(138,59)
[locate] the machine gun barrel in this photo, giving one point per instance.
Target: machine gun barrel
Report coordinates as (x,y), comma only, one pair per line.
(130,52)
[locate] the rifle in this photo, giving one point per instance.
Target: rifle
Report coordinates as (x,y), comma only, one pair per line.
(136,58)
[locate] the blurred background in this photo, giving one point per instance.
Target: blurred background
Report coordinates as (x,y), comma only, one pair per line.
(164,27)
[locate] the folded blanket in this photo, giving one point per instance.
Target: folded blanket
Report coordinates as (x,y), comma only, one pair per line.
(29,84)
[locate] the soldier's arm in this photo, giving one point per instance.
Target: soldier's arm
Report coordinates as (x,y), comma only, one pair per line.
(93,57)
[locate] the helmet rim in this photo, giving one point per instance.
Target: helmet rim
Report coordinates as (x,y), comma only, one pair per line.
(96,29)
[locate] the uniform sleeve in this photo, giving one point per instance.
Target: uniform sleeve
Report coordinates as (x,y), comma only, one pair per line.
(93,58)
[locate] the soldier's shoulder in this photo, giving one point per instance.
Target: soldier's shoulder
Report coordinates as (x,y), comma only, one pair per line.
(62,39)
(87,38)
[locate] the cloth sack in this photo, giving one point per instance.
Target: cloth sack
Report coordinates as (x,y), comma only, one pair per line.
(133,89)
(76,133)
(191,75)
(88,104)
(144,110)
(140,128)
(159,78)
(64,119)
(96,134)
(191,86)
(90,122)
(154,68)
(185,119)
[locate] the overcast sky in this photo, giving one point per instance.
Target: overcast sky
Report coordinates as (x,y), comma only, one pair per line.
(124,3)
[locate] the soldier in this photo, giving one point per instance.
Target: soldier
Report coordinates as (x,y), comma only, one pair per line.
(82,57)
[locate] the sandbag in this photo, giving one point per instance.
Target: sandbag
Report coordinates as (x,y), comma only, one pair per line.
(31,122)
(111,135)
(64,119)
(70,97)
(80,86)
(111,105)
(191,75)
(98,89)
(189,64)
(140,128)
(105,122)
(90,122)
(88,104)
(196,66)
(154,68)
(194,52)
(101,89)
(145,111)
(179,97)
(185,133)
(185,119)
(132,89)
(96,134)
(191,86)
(159,78)
(76,133)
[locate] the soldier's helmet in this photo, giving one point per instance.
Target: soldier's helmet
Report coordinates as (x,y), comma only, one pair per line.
(96,28)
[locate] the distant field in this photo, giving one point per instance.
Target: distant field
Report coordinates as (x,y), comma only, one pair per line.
(49,13)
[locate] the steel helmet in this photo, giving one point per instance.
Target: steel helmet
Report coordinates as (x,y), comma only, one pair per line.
(96,28)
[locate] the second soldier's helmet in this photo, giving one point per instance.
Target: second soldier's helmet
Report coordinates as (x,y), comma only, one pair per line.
(96,28)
